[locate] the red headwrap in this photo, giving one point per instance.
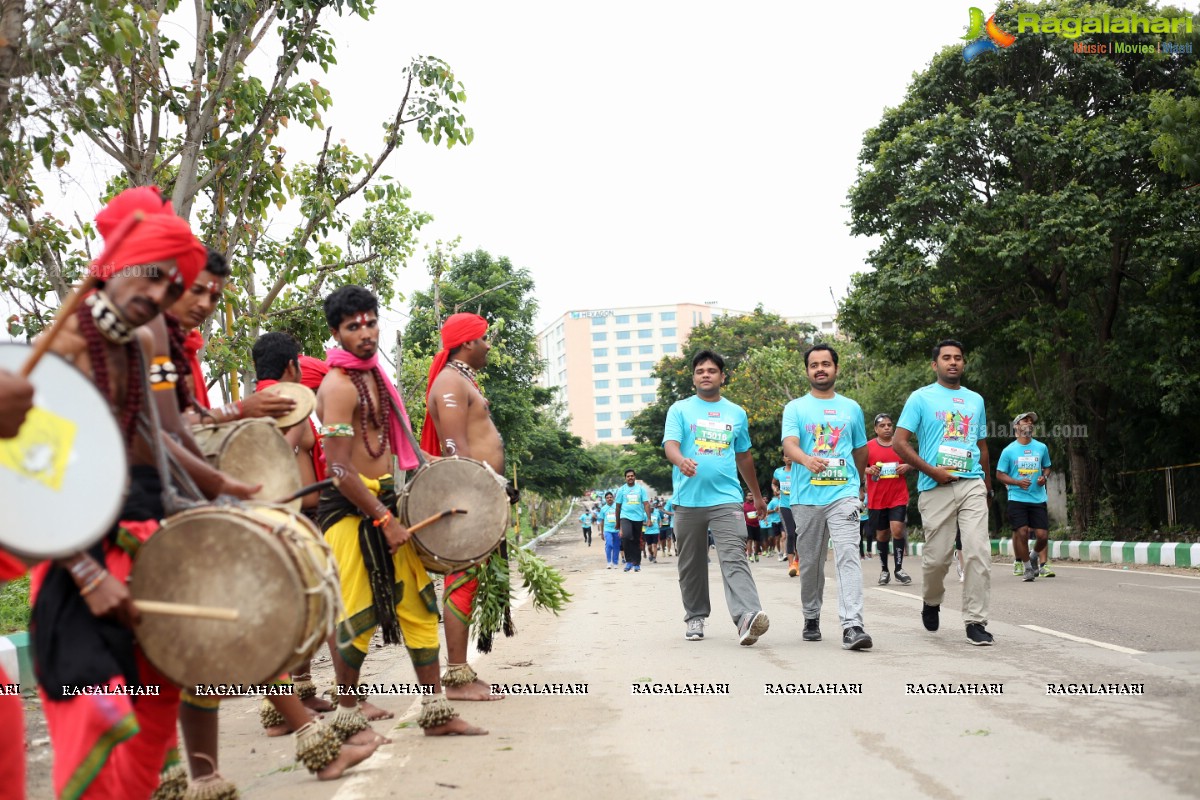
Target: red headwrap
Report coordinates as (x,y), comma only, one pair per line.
(158,236)
(457,331)
(312,372)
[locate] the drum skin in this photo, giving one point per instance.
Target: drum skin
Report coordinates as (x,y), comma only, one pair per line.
(63,479)
(253,451)
(264,561)
(459,541)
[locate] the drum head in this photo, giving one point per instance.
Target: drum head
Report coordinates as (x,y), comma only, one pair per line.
(254,451)
(64,477)
(222,557)
(460,540)
(306,401)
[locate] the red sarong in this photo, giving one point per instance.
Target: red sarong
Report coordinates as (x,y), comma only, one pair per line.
(12,721)
(460,594)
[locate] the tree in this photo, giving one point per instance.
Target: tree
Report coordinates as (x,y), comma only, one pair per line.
(1020,209)
(102,72)
(1177,118)
(758,349)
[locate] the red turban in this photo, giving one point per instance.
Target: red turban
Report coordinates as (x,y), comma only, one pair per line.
(158,236)
(312,372)
(457,331)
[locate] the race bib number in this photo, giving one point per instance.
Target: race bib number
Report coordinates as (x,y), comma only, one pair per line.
(610,516)
(954,459)
(751,515)
(631,498)
(1028,466)
(785,486)
(713,438)
(888,470)
(834,473)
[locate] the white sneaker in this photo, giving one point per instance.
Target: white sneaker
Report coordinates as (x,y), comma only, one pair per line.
(695,629)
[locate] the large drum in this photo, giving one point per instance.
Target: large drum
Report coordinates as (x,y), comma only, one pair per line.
(458,541)
(254,451)
(63,478)
(268,562)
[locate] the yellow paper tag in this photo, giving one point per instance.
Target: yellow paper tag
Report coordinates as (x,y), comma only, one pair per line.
(41,449)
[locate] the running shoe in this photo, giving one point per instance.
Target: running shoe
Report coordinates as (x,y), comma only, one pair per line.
(782,557)
(1046,572)
(1018,568)
(752,626)
(929,616)
(628,566)
(637,567)
(884,578)
(855,638)
(695,629)
(902,576)
(977,634)
(812,630)
(794,568)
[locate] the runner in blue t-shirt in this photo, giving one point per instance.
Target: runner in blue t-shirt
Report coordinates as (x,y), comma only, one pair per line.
(633,507)
(666,532)
(707,440)
(1024,467)
(824,435)
(950,423)
(650,536)
(784,476)
(774,521)
(585,519)
(612,536)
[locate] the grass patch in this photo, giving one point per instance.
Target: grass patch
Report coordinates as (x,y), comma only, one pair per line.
(14,605)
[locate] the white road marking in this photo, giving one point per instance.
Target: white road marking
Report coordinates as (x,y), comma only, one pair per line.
(1117,568)
(899,594)
(1118,648)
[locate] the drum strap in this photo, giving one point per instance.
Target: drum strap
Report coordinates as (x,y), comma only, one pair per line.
(166,464)
(412,440)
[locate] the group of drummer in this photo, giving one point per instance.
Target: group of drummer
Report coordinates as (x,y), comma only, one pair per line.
(144,362)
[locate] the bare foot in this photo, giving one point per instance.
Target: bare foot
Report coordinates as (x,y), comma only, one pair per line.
(373,712)
(347,757)
(368,736)
(476,690)
(318,703)
(283,729)
(455,727)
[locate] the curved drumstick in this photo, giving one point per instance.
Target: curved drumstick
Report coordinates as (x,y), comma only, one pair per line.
(64,312)
(303,490)
(430,520)
(186,610)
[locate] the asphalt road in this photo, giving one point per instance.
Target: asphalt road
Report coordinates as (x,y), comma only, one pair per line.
(624,629)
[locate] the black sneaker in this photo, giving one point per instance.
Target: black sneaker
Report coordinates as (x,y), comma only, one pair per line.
(902,576)
(855,638)
(884,577)
(929,615)
(812,630)
(978,635)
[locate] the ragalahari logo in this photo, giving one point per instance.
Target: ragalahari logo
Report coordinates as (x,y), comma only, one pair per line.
(984,37)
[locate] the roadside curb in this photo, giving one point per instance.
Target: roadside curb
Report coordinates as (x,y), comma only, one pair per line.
(1163,554)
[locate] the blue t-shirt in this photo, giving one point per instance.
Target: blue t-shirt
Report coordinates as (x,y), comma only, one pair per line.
(668,513)
(711,434)
(831,429)
(773,515)
(609,514)
(784,476)
(585,519)
(948,425)
(1019,461)
(630,499)
(653,523)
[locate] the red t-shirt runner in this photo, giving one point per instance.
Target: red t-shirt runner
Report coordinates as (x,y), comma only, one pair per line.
(889,489)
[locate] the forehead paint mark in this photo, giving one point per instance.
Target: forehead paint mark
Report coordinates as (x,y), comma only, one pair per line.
(361,319)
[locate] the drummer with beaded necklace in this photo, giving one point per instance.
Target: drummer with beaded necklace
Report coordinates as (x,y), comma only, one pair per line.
(384,584)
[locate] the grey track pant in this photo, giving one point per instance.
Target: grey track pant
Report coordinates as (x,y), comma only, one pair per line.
(815,527)
(728,527)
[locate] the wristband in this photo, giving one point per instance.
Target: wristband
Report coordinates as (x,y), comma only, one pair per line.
(95,582)
(384,520)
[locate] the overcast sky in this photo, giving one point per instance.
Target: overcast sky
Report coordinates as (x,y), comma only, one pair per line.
(636,153)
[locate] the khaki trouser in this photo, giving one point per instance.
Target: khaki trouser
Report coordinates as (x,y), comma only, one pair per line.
(958,506)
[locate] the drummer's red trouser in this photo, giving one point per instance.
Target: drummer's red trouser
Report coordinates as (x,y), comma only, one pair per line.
(460,595)
(12,722)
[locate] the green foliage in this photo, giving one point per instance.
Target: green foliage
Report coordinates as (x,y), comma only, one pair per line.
(555,463)
(14,605)
(1176,115)
(1020,208)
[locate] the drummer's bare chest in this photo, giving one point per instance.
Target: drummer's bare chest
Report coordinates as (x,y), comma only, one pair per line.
(116,366)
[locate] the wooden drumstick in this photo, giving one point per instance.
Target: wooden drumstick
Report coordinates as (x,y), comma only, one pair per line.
(303,490)
(90,282)
(186,610)
(430,520)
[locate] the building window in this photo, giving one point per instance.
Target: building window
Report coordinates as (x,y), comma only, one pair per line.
(599,352)
(670,348)
(600,336)
(600,368)
(596,321)
(667,316)
(622,319)
(668,333)
(645,333)
(625,398)
(826,326)
(601,384)
(625,366)
(648,398)
(562,361)
(626,431)
(626,415)
(645,349)
(643,317)
(604,433)
(624,351)
(646,365)
(625,383)
(603,400)
(648,381)
(623,334)
(604,416)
